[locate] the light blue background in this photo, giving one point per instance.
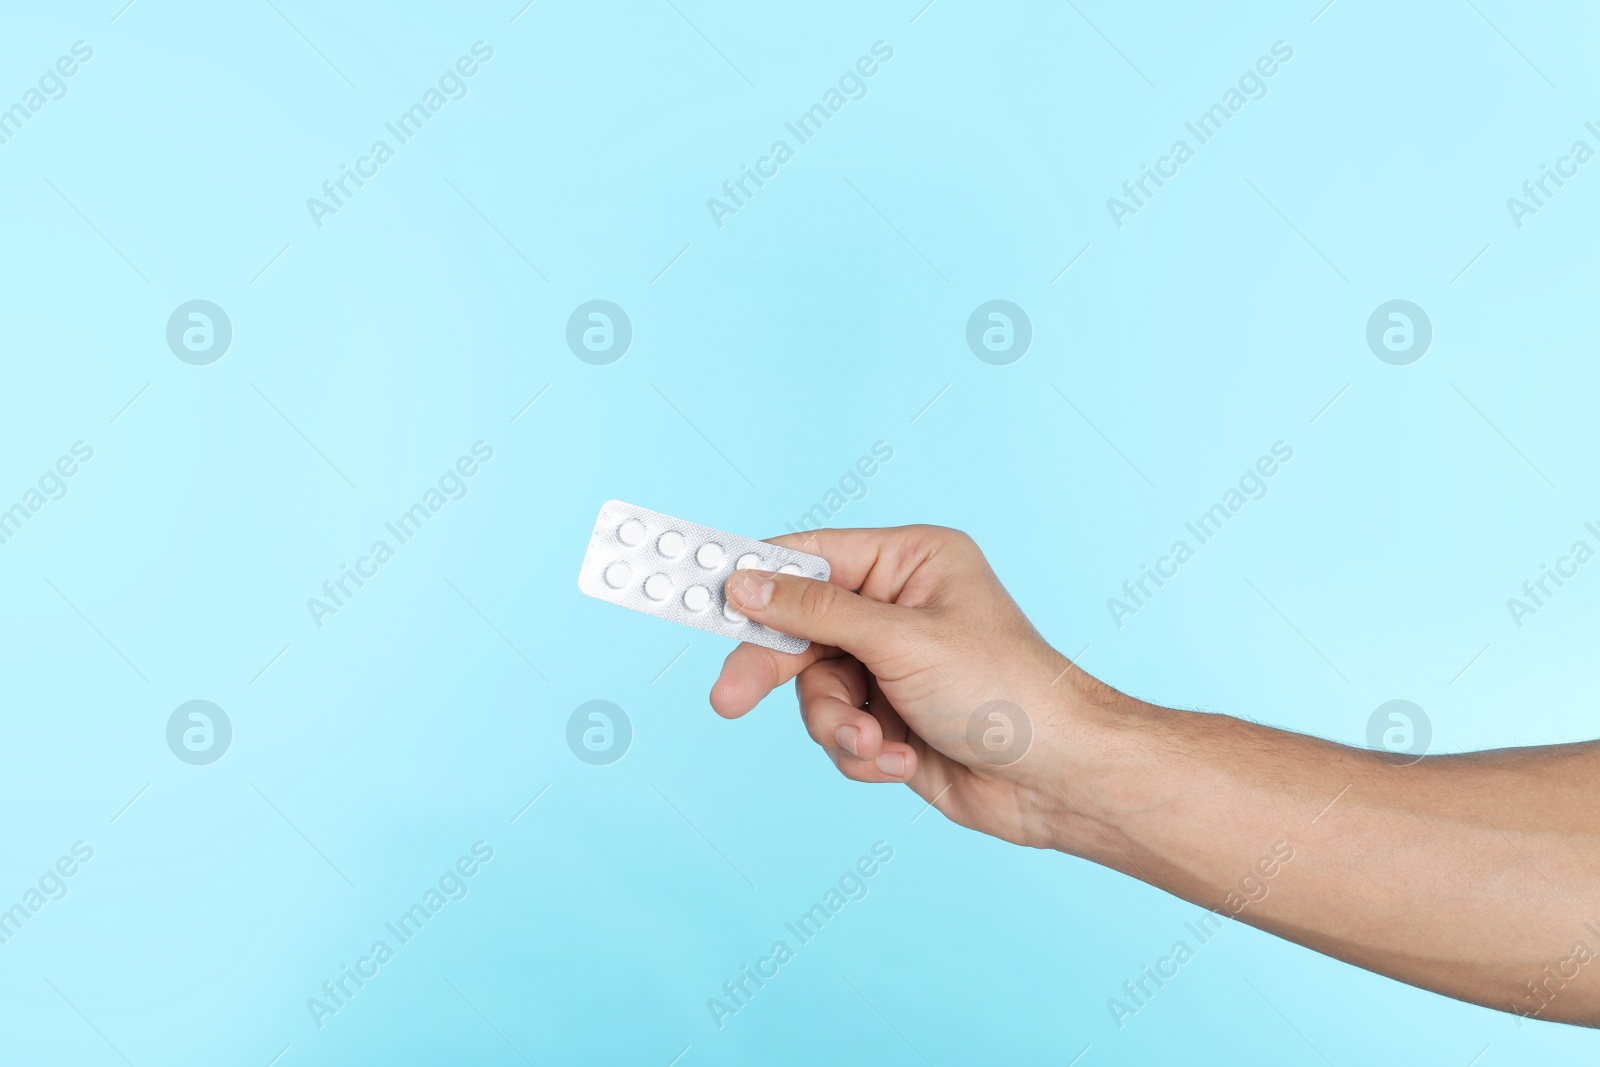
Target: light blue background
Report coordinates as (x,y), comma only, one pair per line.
(370,353)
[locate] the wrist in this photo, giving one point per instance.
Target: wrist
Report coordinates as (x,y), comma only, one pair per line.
(1095,741)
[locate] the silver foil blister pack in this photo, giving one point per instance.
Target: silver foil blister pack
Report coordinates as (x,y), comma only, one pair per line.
(662,566)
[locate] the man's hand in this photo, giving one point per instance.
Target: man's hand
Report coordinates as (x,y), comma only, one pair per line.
(921,670)
(1474,875)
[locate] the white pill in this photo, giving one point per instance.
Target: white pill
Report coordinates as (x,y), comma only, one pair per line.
(631,532)
(676,570)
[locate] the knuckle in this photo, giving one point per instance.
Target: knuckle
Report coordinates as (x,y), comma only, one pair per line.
(822,733)
(818,599)
(772,668)
(852,768)
(931,530)
(814,715)
(935,539)
(957,539)
(811,716)
(924,531)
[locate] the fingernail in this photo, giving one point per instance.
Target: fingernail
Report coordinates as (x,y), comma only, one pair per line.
(847,736)
(893,764)
(752,589)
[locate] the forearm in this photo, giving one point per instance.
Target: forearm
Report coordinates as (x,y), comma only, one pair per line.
(1477,876)
(1470,875)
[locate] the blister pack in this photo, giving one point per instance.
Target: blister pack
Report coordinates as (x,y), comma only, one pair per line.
(650,562)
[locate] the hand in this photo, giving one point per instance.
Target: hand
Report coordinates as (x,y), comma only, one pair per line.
(921,670)
(913,644)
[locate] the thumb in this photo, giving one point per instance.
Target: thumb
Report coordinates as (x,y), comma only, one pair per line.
(818,611)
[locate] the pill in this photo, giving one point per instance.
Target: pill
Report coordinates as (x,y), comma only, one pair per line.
(663,566)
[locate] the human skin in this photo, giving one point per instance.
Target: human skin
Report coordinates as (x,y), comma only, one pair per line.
(1472,875)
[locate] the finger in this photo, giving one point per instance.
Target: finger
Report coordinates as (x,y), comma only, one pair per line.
(874,633)
(889,721)
(831,694)
(876,562)
(852,737)
(752,671)
(901,755)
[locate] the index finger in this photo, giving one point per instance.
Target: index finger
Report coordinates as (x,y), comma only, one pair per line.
(752,671)
(873,562)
